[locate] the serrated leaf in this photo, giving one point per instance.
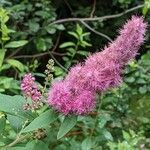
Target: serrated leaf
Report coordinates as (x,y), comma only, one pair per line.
(16,44)
(66,44)
(15,63)
(68,123)
(41,121)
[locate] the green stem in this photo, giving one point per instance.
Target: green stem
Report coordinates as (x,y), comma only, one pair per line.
(17,140)
(96,119)
(76,49)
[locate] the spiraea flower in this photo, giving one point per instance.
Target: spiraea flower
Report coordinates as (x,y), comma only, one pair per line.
(127,44)
(67,100)
(100,71)
(30,88)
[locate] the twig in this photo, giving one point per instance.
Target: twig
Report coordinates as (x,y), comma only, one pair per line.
(39,55)
(96,32)
(58,62)
(18,140)
(96,119)
(97,18)
(56,43)
(68,5)
(73,133)
(93,9)
(17,50)
(14,53)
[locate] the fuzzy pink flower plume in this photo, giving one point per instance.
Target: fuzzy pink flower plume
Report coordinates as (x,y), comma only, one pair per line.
(76,94)
(29,87)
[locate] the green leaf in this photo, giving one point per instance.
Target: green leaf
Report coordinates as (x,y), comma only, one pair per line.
(126,136)
(36,145)
(86,34)
(13,105)
(2,56)
(74,34)
(41,44)
(71,51)
(66,44)
(79,30)
(84,53)
(8,83)
(103,120)
(60,27)
(42,121)
(84,44)
(130,79)
(107,135)
(58,71)
(66,126)
(146,7)
(86,144)
(51,29)
(16,122)
(34,26)
(145,10)
(17,148)
(66,58)
(5,67)
(2,124)
(143,89)
(4,15)
(15,63)
(16,44)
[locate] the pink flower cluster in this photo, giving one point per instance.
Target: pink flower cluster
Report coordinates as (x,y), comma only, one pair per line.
(68,100)
(29,87)
(76,94)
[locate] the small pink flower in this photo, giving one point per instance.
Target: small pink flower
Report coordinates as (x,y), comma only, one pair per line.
(30,88)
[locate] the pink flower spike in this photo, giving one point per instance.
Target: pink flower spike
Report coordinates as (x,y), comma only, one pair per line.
(29,87)
(100,71)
